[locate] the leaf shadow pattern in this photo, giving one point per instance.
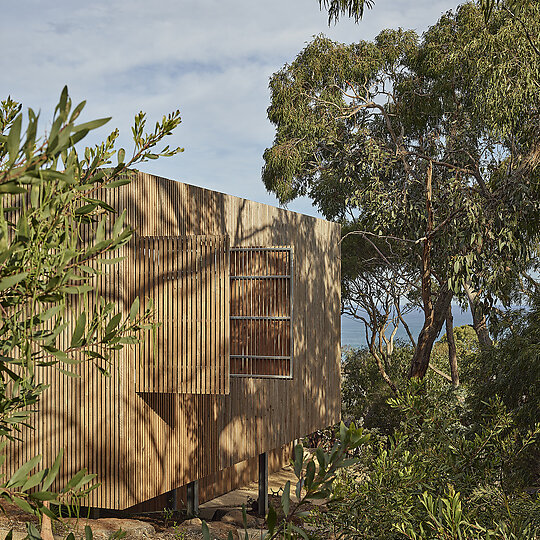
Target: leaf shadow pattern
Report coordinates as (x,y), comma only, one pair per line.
(145,444)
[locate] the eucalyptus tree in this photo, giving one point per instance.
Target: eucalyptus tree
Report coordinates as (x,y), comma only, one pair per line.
(56,235)
(431,145)
(377,290)
(355,8)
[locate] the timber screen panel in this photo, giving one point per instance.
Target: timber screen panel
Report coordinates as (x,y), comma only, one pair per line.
(186,277)
(261,311)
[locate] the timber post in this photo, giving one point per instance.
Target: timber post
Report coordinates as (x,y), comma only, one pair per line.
(172,500)
(94,513)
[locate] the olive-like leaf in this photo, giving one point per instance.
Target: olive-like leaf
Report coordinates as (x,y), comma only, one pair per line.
(286,497)
(10,281)
(80,327)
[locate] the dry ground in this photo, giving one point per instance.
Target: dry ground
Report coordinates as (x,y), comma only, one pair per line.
(222,514)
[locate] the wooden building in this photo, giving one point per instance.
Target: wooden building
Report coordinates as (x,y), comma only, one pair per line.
(245,360)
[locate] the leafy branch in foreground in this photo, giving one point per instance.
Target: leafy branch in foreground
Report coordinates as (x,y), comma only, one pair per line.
(355,8)
(30,491)
(56,237)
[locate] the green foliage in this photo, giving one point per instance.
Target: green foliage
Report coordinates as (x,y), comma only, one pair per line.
(445,519)
(467,347)
(510,7)
(426,149)
(445,462)
(465,339)
(56,236)
(511,370)
(355,8)
(438,475)
(350,8)
(364,394)
(315,478)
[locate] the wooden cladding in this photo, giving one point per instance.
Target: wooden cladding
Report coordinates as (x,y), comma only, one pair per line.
(261,311)
(141,442)
(187,279)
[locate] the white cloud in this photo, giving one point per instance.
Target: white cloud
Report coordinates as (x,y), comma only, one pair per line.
(210,59)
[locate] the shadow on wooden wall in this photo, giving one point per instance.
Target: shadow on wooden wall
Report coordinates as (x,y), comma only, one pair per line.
(143,444)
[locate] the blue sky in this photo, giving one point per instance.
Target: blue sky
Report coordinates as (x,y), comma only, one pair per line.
(211,59)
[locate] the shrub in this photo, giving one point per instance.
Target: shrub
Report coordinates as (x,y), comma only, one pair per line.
(436,458)
(48,205)
(364,392)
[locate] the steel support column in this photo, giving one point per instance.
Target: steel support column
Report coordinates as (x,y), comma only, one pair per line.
(193,498)
(262,505)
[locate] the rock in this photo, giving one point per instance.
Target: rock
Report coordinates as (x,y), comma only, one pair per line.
(217,530)
(253,534)
(107,526)
(17,535)
(208,514)
(193,522)
(219,513)
(235,517)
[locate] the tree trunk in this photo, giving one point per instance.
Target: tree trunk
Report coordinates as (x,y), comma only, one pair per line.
(385,376)
(441,373)
(380,365)
(478,317)
(405,325)
(432,326)
(452,354)
(434,315)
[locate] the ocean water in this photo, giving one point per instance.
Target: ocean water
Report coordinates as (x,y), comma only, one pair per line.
(353,334)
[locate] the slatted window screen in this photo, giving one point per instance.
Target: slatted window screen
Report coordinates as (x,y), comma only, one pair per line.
(261,311)
(187,279)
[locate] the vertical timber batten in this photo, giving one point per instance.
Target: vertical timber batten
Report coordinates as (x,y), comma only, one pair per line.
(262,501)
(165,260)
(145,432)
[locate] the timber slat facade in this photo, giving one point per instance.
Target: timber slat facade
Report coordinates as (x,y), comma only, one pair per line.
(237,367)
(187,280)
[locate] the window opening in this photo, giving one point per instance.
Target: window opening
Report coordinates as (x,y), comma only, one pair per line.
(261,311)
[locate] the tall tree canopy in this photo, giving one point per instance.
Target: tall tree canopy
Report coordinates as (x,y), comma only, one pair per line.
(355,8)
(427,148)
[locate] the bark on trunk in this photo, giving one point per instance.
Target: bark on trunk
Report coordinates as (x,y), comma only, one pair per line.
(478,317)
(46,526)
(434,315)
(385,376)
(432,326)
(452,354)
